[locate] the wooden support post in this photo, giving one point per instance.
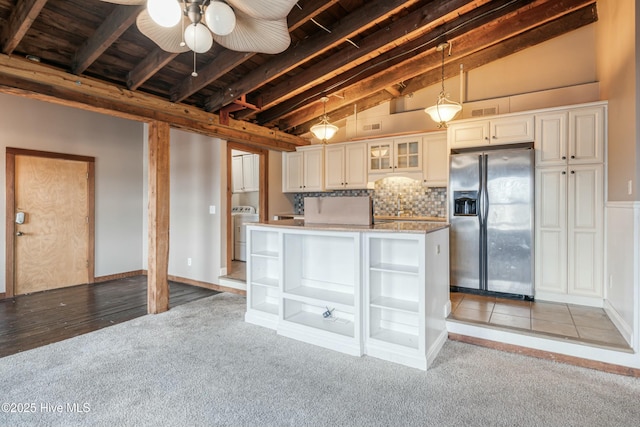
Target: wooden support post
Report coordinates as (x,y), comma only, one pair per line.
(157,278)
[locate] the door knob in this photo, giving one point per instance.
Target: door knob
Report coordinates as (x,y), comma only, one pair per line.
(19,233)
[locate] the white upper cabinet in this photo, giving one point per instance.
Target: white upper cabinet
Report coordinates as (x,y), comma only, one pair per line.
(303,170)
(345,166)
(245,173)
(395,155)
(573,136)
(435,160)
(503,130)
(586,135)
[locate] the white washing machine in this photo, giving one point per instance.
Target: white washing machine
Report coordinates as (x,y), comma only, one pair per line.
(241,216)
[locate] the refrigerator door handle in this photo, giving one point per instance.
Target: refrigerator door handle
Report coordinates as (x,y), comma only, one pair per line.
(485,192)
(481,190)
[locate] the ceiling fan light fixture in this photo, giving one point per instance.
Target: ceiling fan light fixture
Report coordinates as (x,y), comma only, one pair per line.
(166,13)
(198,38)
(324,130)
(220,18)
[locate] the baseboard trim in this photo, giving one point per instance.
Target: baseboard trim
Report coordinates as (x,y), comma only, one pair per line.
(547,355)
(618,321)
(119,276)
(207,285)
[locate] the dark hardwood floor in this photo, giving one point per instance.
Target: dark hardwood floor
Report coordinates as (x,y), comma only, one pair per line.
(34,320)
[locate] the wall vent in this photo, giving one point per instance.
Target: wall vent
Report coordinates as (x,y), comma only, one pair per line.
(372,127)
(489,111)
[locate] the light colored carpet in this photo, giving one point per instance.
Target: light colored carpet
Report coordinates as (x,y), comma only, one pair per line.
(200,365)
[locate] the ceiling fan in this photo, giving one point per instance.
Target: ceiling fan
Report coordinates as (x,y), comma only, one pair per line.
(242,25)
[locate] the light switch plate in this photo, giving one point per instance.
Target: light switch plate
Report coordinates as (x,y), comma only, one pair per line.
(212,210)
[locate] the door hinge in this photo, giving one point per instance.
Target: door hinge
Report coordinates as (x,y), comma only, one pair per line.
(87,218)
(87,263)
(87,175)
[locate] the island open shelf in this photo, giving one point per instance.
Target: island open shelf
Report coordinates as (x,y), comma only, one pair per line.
(357,290)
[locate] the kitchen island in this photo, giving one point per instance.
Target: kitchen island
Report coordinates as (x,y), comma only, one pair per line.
(380,290)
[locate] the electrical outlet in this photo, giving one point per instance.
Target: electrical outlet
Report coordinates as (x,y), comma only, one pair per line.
(189,262)
(212,210)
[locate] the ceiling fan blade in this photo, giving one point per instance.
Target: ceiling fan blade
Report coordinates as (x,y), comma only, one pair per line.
(261,9)
(256,35)
(168,39)
(126,2)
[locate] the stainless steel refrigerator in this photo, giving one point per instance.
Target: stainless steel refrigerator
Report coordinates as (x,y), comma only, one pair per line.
(491,194)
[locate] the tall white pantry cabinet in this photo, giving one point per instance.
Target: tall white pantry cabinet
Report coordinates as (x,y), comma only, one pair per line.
(570,154)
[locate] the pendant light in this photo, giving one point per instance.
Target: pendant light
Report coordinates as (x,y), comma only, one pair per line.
(324,130)
(445,109)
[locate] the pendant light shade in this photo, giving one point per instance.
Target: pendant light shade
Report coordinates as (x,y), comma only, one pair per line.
(324,130)
(198,38)
(445,110)
(166,13)
(220,18)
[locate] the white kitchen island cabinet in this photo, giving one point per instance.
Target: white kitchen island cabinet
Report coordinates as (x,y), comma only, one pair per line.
(380,290)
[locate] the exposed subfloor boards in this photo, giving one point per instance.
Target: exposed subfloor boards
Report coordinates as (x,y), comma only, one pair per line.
(34,320)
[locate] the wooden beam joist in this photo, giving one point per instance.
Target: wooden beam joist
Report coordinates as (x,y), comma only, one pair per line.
(26,78)
(365,17)
(22,16)
(412,26)
(111,29)
(149,66)
(496,31)
(566,23)
(419,49)
(227,60)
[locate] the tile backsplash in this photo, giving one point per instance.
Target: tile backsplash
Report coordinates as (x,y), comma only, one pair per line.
(390,195)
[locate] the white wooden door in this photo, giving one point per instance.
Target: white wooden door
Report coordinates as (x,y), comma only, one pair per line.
(355,169)
(510,130)
(585,230)
(408,154)
(334,167)
(52,245)
(551,135)
(551,230)
(470,134)
(292,172)
(236,174)
(250,172)
(435,160)
(586,135)
(313,169)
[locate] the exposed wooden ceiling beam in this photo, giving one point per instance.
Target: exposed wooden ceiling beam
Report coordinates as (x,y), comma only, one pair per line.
(562,25)
(227,60)
(415,48)
(365,17)
(148,67)
(111,29)
(22,77)
(491,33)
(22,16)
(411,26)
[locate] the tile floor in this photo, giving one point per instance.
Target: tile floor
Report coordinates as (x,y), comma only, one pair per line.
(587,325)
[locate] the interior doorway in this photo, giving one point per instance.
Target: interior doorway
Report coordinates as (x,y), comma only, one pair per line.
(235,267)
(50,217)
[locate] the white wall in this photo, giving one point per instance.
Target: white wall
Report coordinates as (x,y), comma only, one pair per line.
(198,171)
(116,145)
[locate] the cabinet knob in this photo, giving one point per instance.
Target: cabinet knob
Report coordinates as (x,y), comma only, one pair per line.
(486,138)
(494,137)
(573,157)
(572,172)
(564,172)
(564,157)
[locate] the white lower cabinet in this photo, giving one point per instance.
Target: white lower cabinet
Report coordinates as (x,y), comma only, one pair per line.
(263,277)
(377,293)
(570,234)
(407,280)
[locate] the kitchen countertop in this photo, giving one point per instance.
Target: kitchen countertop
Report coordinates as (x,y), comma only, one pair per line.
(403,226)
